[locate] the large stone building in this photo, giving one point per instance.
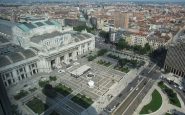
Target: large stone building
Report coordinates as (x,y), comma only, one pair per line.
(38,46)
(175,58)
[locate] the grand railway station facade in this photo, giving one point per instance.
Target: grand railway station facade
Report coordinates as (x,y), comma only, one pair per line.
(38,46)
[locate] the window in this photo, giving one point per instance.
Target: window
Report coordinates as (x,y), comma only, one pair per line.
(21,70)
(7,75)
(5,84)
(9,82)
(70,54)
(32,65)
(22,76)
(62,58)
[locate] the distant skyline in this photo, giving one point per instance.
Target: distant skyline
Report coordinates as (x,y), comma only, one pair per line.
(30,1)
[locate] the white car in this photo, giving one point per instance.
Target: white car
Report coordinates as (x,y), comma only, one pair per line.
(61,71)
(180,87)
(76,63)
(131,88)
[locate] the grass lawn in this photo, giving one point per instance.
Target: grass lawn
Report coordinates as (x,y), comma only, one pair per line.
(82,100)
(37,105)
(21,94)
(104,63)
(154,105)
(171,94)
(62,89)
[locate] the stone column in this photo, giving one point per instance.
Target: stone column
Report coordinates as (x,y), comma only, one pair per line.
(48,66)
(57,61)
(28,71)
(80,50)
(74,55)
(15,76)
(66,58)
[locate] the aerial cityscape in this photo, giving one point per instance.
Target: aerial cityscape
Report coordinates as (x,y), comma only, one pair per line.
(92,57)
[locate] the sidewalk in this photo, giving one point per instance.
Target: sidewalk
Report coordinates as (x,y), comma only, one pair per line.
(103,101)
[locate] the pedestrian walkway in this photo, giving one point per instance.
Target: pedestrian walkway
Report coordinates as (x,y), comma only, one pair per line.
(103,101)
(165,107)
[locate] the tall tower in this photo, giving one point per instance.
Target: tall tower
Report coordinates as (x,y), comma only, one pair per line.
(121,20)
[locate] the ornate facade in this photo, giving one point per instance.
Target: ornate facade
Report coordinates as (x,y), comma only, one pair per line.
(43,46)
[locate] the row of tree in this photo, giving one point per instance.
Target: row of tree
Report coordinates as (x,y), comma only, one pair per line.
(122,44)
(84,27)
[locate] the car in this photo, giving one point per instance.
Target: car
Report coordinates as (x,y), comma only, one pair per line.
(76,63)
(136,88)
(61,71)
(131,88)
(180,87)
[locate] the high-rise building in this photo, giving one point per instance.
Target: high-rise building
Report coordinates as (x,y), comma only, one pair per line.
(121,20)
(175,58)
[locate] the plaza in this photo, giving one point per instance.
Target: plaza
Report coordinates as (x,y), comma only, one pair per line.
(104,78)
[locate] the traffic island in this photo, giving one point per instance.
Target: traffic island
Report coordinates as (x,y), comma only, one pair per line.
(154,104)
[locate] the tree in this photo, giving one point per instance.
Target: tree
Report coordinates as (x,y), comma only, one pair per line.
(147,47)
(49,91)
(122,44)
(101,52)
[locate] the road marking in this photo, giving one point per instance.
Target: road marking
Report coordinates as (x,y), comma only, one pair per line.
(136,96)
(152,68)
(127,97)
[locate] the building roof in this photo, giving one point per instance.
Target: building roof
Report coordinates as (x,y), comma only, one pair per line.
(80,70)
(6,26)
(3,39)
(76,35)
(4,61)
(16,57)
(31,25)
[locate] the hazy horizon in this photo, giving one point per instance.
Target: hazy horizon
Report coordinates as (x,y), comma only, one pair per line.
(30,1)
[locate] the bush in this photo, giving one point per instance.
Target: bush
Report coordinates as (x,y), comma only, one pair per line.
(101,62)
(32,89)
(102,52)
(43,83)
(20,95)
(52,78)
(113,56)
(91,57)
(82,100)
(170,93)
(62,89)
